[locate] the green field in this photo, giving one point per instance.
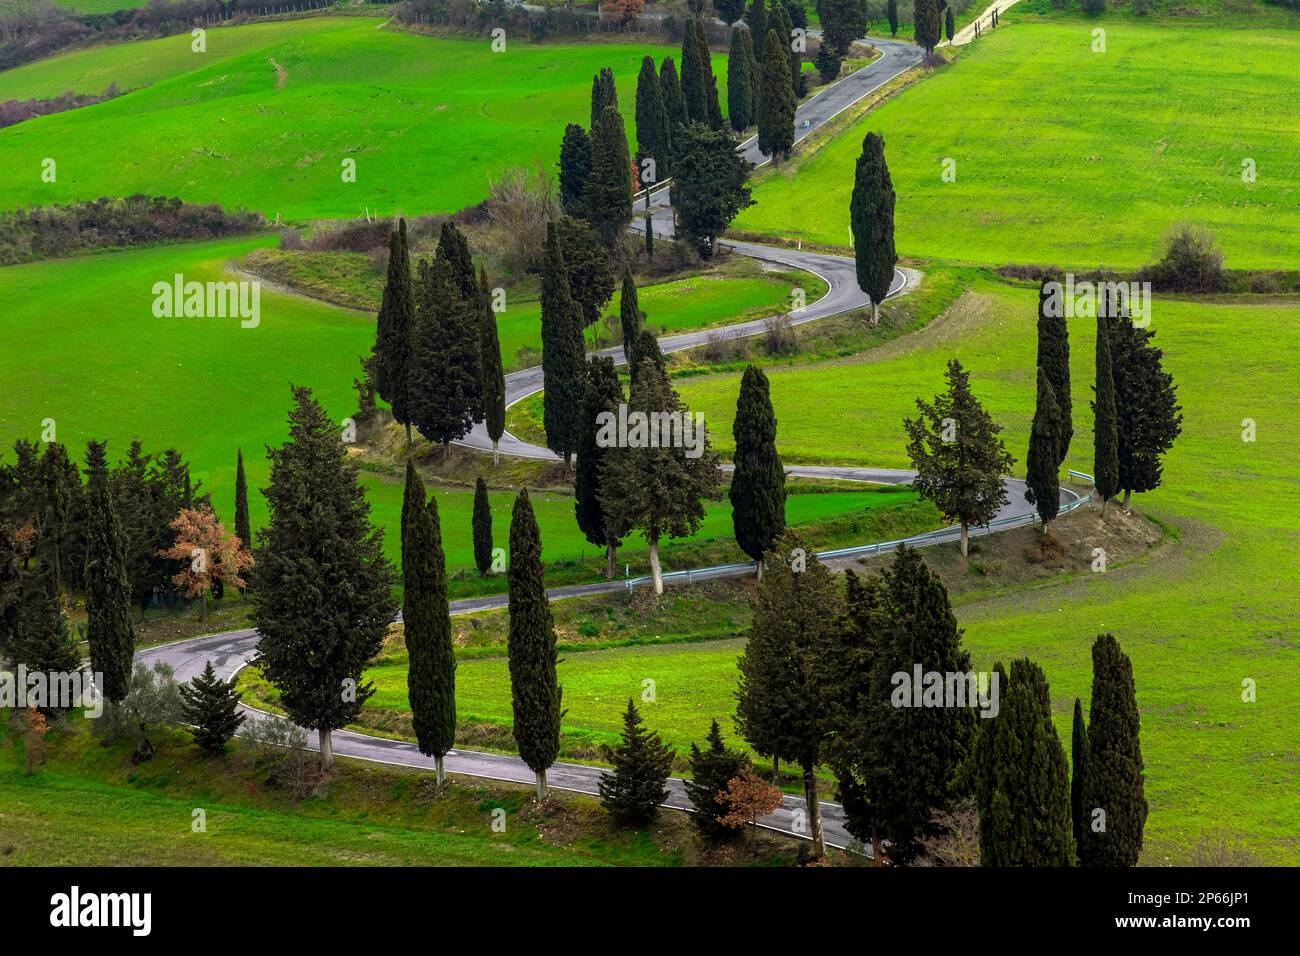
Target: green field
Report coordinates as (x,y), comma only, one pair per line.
(1196,620)
(1071,157)
(428,121)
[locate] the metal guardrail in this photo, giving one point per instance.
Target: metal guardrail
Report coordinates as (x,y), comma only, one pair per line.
(872,550)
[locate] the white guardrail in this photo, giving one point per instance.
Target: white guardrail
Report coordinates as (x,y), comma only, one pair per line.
(871,550)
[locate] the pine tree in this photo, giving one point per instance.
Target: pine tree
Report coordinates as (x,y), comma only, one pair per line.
(828,63)
(1022,785)
(1114,802)
(758,482)
(603,394)
(108,590)
(709,185)
(674,100)
(243,529)
(957,451)
(634,789)
(871,217)
(776,102)
(1054,359)
(711,770)
(564,363)
(1078,773)
(535,693)
(393,352)
(780,709)
(659,490)
(426,624)
(1149,417)
(609,190)
(739,82)
(493,385)
(928,24)
(482,528)
(323,600)
(575,169)
(604,94)
(1105,432)
(445,384)
(629,313)
(1043,479)
(211,706)
(652,135)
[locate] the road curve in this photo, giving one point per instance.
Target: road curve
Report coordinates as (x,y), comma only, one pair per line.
(229,652)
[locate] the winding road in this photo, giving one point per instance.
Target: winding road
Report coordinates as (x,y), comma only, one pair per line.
(231,651)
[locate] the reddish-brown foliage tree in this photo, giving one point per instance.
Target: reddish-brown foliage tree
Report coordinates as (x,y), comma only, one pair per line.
(210,553)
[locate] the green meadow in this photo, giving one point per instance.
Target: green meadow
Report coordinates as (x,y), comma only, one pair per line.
(265,121)
(1071,157)
(1198,618)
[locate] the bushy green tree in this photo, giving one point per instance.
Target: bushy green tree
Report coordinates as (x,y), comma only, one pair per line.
(587,262)
(708,188)
(629,313)
(653,138)
(1148,416)
(674,99)
(634,789)
(109,631)
(712,768)
(575,170)
(491,372)
(393,349)
(211,707)
(603,394)
(609,189)
(445,384)
(740,84)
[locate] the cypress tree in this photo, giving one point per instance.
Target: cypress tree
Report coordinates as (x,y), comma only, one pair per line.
(453,249)
(493,385)
(211,706)
(711,770)
(1105,434)
(739,82)
(779,707)
(35,631)
(694,81)
(445,383)
(652,135)
(709,185)
(674,99)
(609,191)
(949,22)
(785,29)
(629,313)
(603,394)
(713,110)
(644,347)
(1043,480)
(1114,803)
(757,19)
(871,216)
(563,353)
(393,352)
(575,169)
(243,529)
(1022,785)
(426,623)
(928,24)
(776,102)
(758,482)
(1054,359)
(108,590)
(604,94)
(957,451)
(828,62)
(535,693)
(1149,417)
(587,263)
(633,791)
(1078,773)
(482,528)
(892,13)
(323,600)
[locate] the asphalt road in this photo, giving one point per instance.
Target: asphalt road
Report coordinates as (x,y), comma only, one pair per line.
(231,651)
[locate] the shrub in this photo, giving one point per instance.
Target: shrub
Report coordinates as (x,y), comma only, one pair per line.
(779,337)
(1192,262)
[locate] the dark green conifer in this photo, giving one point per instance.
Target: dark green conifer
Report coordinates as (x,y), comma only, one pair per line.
(108,590)
(482,528)
(1105,433)
(776,101)
(211,707)
(564,365)
(629,313)
(758,482)
(603,394)
(1054,359)
(609,190)
(1043,479)
(634,789)
(575,169)
(1078,773)
(493,386)
(711,770)
(393,346)
(871,218)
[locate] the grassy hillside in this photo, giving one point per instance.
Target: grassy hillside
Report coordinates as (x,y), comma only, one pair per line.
(1197,619)
(264,120)
(1072,157)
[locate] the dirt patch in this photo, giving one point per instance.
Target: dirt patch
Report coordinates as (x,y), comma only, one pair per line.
(281,75)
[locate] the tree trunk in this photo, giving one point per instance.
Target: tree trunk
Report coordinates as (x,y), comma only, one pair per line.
(203,607)
(758,570)
(408,434)
(440,769)
(877,855)
(496,454)
(326,748)
(965,539)
(776,770)
(875,313)
(1128,493)
(541,785)
(1104,503)
(446,450)
(611,560)
(814,811)
(654,567)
